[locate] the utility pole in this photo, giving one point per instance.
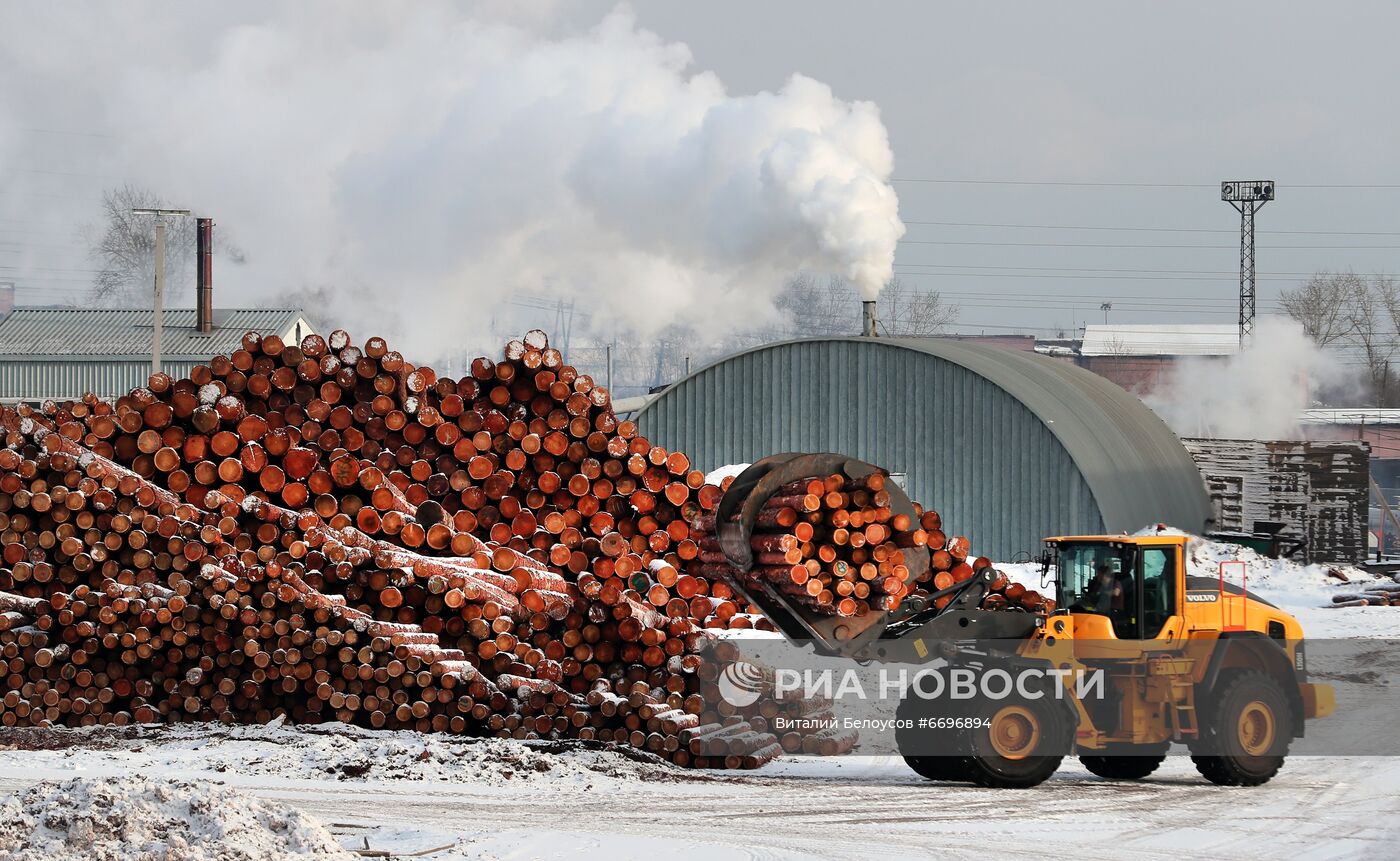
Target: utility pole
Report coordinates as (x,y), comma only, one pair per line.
(1247,196)
(160,278)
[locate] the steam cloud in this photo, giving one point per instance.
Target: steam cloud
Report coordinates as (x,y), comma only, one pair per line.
(1256,394)
(415,166)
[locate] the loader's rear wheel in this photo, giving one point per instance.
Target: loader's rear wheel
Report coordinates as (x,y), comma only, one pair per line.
(1125,761)
(1248,733)
(1018,743)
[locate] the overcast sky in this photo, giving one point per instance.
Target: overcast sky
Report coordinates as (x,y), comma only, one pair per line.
(1137,92)
(1002,118)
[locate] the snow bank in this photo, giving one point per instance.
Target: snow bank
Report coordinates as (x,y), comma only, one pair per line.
(141,819)
(347,752)
(341,752)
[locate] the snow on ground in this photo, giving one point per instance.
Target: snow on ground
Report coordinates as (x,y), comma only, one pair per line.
(798,808)
(344,753)
(155,819)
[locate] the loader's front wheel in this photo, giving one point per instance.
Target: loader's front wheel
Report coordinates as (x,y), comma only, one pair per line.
(1018,742)
(936,754)
(1125,761)
(939,767)
(1247,735)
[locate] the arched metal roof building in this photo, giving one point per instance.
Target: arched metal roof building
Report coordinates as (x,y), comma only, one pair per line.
(1009,446)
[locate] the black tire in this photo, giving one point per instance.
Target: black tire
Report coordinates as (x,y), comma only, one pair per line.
(1125,761)
(938,757)
(1018,743)
(1245,736)
(952,768)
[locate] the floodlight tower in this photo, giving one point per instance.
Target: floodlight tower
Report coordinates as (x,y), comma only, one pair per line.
(1247,196)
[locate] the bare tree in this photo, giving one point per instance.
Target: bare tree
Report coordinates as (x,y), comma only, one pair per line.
(1320,304)
(817,307)
(1358,316)
(123,245)
(832,307)
(913,313)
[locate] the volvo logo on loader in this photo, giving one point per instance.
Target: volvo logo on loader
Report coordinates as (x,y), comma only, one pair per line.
(1202,597)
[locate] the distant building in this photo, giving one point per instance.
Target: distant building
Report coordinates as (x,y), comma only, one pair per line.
(1138,357)
(62,353)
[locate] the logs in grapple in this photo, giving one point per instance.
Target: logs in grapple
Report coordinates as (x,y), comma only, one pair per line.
(834,547)
(328,532)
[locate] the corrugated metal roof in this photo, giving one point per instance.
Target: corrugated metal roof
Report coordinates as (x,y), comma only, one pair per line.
(1167,339)
(36,333)
(1008,445)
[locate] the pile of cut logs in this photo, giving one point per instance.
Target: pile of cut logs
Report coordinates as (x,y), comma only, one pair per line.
(326,531)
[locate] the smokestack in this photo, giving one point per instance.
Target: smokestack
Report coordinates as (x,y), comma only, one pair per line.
(204,275)
(7,299)
(867,321)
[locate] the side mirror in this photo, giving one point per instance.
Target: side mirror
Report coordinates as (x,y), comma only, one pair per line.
(1047,560)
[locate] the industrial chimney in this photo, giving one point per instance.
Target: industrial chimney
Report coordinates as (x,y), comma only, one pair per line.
(7,298)
(204,275)
(867,319)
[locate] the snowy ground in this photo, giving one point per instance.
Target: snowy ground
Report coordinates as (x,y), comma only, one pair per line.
(801,808)
(451,798)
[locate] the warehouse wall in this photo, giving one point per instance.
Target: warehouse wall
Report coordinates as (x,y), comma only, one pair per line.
(978,455)
(1319,489)
(57,379)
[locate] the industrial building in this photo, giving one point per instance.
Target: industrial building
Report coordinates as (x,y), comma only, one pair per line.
(1140,357)
(62,353)
(1010,446)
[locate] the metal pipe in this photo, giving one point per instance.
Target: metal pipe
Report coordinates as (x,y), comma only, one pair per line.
(867,321)
(159,297)
(204,276)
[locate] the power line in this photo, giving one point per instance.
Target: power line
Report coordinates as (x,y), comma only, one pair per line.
(1129,245)
(1148,229)
(1109,184)
(1099,269)
(1056,276)
(1056,183)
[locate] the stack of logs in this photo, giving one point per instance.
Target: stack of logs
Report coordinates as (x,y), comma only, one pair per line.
(1375,595)
(833,546)
(328,532)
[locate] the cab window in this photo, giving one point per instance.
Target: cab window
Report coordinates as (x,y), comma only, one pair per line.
(1101,578)
(1158,589)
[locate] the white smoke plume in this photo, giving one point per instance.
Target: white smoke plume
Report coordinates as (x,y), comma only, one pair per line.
(417,166)
(1256,394)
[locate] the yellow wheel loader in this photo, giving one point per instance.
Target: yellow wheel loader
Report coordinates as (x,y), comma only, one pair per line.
(1139,653)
